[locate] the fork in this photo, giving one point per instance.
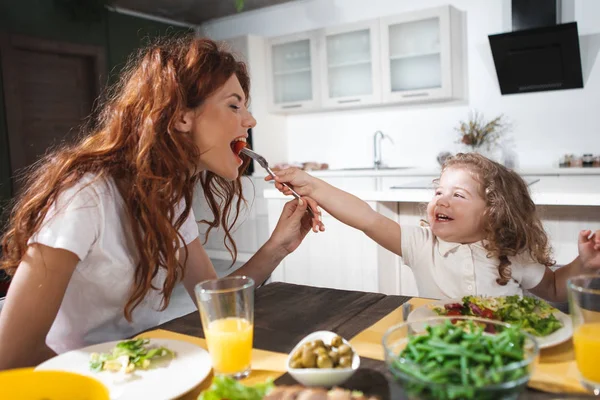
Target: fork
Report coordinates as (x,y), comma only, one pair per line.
(263,163)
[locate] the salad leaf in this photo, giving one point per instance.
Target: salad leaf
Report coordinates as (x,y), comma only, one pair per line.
(533,315)
(128,355)
(224,387)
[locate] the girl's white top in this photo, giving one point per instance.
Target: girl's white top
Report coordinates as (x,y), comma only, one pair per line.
(90,220)
(445,270)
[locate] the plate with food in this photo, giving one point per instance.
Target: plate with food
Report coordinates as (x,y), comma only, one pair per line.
(535,316)
(138,368)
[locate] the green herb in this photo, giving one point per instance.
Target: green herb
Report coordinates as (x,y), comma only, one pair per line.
(461,359)
(128,355)
(224,387)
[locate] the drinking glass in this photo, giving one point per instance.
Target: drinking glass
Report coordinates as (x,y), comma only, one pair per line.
(584,305)
(227,312)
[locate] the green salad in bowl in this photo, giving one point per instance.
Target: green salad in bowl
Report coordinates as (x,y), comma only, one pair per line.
(460,358)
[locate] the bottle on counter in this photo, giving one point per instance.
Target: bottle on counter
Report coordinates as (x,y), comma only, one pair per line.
(587,160)
(576,162)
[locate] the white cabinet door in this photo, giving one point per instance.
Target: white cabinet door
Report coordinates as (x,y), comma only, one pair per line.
(340,258)
(350,64)
(292,71)
(422,55)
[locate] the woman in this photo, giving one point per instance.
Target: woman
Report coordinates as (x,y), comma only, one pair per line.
(104,229)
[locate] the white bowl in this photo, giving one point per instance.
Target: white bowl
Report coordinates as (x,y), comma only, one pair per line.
(327,377)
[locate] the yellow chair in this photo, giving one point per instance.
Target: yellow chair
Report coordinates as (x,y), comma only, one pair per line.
(27,384)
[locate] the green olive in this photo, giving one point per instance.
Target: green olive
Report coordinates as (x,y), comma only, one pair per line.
(297,355)
(346,361)
(319,343)
(344,350)
(309,358)
(323,361)
(309,345)
(320,350)
(337,341)
(335,357)
(296,364)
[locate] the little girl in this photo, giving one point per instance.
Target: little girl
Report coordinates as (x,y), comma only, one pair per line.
(484,236)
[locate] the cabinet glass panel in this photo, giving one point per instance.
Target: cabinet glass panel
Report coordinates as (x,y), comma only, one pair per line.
(292,71)
(414,49)
(349,66)
(414,73)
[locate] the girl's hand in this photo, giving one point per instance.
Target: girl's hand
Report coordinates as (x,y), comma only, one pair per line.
(302,182)
(294,224)
(589,249)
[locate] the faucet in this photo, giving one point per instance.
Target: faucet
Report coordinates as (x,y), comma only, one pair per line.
(378,136)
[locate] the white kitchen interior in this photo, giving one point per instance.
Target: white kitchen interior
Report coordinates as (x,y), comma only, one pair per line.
(313,112)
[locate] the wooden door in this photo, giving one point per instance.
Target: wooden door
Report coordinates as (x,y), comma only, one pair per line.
(50,89)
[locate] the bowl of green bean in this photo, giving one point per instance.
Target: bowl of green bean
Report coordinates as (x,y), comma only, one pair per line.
(448,358)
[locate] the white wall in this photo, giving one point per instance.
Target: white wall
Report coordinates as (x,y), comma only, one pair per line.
(545,124)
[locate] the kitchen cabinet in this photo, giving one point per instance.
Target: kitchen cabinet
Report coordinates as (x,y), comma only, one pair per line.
(350,65)
(422,55)
(340,258)
(411,57)
(292,71)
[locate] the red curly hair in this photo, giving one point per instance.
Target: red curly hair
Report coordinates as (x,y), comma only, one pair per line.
(512,225)
(134,141)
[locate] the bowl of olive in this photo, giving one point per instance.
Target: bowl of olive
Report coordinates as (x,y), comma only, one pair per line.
(322,358)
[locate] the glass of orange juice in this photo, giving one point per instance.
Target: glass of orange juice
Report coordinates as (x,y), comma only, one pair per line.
(584,305)
(227,312)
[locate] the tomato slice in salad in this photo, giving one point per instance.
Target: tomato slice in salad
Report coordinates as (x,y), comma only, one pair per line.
(487,313)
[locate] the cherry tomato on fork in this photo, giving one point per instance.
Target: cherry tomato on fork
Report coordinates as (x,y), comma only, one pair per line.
(238,146)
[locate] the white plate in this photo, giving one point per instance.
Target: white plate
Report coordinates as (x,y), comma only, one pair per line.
(561,335)
(170,379)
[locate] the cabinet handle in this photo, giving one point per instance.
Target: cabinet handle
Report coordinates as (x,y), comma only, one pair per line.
(422,94)
(348,101)
(292,106)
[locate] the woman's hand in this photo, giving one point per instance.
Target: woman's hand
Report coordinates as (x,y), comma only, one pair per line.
(589,249)
(294,223)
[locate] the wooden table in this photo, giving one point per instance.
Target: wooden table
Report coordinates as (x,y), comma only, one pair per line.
(286,313)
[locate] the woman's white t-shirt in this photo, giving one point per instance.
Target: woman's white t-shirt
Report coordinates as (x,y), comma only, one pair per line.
(90,220)
(445,270)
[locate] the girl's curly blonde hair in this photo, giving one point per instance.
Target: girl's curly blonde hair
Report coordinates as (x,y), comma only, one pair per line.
(512,224)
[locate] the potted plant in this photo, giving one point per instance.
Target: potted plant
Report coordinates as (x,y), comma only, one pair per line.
(479,135)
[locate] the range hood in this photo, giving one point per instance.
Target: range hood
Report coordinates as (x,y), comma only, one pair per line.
(543,56)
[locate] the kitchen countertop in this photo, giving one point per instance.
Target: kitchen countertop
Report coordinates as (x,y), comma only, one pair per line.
(549,190)
(419,171)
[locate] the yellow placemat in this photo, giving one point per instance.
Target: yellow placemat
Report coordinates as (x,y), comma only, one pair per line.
(265,364)
(556,371)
